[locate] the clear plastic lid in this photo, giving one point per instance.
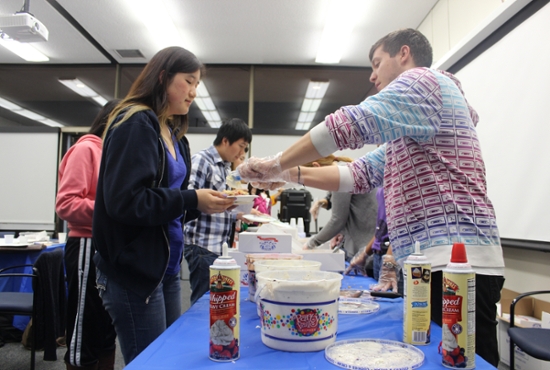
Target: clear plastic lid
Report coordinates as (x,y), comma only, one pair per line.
(357,306)
(369,354)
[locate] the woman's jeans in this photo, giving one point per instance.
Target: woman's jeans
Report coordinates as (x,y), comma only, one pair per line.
(137,323)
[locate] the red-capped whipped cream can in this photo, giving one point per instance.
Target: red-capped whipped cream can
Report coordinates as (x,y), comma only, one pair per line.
(458,326)
(224,310)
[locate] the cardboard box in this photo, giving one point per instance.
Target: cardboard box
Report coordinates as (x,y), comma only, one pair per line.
(244,278)
(239,257)
(524,321)
(529,312)
(265,243)
(330,261)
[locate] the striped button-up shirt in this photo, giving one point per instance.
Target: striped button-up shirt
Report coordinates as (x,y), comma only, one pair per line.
(209,171)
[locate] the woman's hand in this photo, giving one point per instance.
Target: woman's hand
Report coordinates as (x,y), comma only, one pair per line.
(314,210)
(212,201)
(337,240)
(307,246)
(357,264)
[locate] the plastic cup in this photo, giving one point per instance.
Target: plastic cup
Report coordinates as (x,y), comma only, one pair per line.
(62,237)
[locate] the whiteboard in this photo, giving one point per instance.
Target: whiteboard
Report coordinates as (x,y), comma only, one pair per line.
(508,86)
(28,172)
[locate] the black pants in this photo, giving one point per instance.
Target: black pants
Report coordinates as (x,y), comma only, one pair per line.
(487,295)
(199,260)
(90,332)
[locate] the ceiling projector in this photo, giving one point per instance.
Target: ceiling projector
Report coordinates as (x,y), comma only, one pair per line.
(23,27)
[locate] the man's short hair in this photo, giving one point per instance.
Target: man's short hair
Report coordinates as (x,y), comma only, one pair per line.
(233,129)
(421,50)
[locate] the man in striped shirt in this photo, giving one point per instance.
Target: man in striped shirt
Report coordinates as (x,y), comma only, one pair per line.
(429,163)
(205,235)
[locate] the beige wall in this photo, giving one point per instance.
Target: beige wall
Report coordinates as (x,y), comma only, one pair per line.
(451,20)
(527,270)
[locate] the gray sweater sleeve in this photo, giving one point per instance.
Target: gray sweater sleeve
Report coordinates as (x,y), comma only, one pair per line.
(338,219)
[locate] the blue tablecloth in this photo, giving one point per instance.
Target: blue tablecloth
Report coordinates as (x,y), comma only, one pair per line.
(185,343)
(17,284)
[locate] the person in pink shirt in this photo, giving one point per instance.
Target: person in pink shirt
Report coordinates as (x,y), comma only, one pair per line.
(262,203)
(90,332)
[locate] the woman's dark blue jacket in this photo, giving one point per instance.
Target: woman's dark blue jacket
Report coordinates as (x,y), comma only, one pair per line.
(134,204)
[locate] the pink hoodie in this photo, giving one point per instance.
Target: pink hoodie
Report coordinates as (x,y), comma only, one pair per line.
(78,173)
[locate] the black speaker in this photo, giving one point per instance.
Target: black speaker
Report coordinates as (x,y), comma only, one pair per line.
(295,204)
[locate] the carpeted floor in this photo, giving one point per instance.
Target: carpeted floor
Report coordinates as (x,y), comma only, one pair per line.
(13,356)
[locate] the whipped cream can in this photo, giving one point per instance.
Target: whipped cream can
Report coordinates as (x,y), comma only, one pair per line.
(458,316)
(224,309)
(416,296)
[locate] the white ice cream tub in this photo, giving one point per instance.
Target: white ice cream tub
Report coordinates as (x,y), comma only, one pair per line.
(251,260)
(270,265)
(299,309)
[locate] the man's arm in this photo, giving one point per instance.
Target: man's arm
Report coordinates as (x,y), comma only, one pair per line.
(383,117)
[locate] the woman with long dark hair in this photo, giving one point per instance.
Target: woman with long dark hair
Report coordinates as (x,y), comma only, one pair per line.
(143,200)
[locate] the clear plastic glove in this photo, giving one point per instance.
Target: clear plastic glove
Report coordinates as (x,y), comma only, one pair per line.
(388,275)
(266,169)
(357,264)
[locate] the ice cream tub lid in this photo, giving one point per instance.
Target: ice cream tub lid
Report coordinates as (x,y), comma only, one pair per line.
(370,354)
(357,306)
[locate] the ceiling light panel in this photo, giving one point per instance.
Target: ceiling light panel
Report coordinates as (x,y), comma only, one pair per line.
(28,114)
(8,105)
(84,90)
(316,89)
(207,107)
(156,17)
(315,93)
(342,16)
(23,50)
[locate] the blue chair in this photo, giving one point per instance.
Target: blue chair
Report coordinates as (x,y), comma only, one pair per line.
(45,305)
(16,303)
(533,341)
